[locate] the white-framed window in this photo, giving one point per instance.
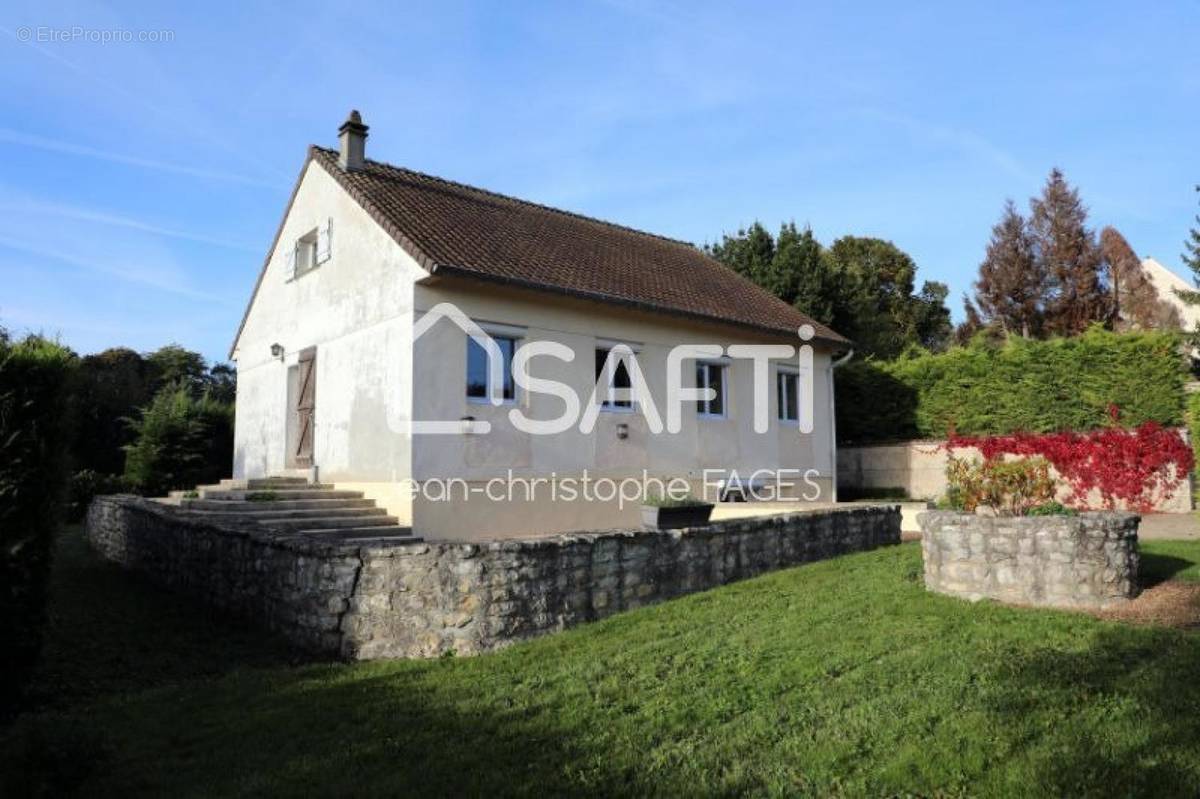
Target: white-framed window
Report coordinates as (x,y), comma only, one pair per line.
(478,374)
(310,250)
(787,395)
(711,375)
(619,379)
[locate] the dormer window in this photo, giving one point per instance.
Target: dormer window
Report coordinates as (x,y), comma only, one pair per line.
(310,251)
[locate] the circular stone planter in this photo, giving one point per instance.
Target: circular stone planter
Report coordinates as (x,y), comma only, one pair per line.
(1085,561)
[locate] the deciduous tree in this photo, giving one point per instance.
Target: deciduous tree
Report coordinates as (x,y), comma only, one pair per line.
(1136,303)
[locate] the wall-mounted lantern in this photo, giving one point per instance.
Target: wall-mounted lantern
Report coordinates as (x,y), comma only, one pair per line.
(277,351)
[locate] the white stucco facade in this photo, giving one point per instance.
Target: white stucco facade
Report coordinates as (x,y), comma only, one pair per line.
(358,309)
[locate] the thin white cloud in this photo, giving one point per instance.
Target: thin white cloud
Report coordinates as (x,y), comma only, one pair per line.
(114,220)
(9,136)
(150,277)
(964,141)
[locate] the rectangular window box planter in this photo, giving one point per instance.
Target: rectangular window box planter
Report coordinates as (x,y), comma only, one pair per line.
(672,518)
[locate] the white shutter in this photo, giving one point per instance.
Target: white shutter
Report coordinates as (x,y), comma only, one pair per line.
(323,242)
(290,273)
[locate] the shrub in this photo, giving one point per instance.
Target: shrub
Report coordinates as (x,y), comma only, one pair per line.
(1018,385)
(1009,487)
(1138,467)
(88,484)
(1052,509)
(179,441)
(33,469)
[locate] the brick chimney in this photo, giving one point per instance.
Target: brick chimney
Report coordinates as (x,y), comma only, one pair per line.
(352,143)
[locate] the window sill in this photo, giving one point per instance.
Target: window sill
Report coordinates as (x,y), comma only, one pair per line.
(486,401)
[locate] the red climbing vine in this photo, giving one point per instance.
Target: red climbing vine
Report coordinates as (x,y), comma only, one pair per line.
(1138,466)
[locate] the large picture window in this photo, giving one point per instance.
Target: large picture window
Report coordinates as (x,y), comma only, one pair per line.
(478,388)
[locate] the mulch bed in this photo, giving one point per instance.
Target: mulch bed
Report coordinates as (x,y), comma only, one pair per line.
(1168,604)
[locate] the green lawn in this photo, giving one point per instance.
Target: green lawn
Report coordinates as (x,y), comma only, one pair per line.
(842,677)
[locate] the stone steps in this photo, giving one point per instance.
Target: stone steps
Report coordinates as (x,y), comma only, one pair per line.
(293,505)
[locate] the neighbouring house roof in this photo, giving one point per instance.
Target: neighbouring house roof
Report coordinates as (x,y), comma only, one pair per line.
(1166,283)
(452,229)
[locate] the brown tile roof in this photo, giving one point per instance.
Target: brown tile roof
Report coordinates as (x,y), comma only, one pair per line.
(457,230)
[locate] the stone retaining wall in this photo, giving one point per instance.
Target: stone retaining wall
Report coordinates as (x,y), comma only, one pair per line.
(1084,561)
(425,599)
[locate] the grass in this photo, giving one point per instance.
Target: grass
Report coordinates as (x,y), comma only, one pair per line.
(843,677)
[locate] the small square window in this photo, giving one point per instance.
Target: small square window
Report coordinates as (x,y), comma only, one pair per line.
(711,375)
(306,253)
(478,373)
(787,393)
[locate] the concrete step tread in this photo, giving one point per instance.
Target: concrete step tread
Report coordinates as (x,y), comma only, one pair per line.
(269,514)
(321,492)
(279,504)
(328,522)
(357,533)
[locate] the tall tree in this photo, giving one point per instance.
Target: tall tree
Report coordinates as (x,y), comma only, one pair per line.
(174,365)
(1191,259)
(862,287)
(972,323)
(750,253)
(1012,287)
(931,316)
(800,275)
(1066,249)
(1136,303)
(107,389)
(875,308)
(1191,249)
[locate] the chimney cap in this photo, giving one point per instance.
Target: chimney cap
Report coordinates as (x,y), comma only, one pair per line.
(353,124)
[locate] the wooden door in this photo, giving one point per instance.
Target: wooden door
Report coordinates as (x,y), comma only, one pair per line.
(304,410)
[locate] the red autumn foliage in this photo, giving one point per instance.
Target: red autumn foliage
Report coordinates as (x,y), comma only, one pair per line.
(1138,467)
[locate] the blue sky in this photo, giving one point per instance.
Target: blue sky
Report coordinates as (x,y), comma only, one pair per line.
(142,182)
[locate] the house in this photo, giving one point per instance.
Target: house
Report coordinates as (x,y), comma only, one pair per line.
(1167,283)
(337,356)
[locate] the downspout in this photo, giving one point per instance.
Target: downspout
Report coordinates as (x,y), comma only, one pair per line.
(845,359)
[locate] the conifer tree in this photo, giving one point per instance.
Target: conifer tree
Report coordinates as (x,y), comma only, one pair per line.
(1067,252)
(1012,289)
(1191,259)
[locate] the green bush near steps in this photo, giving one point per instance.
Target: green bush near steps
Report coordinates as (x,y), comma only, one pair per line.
(987,388)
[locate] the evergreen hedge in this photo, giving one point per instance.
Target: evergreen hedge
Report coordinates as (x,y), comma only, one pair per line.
(1018,386)
(34,435)
(1193,423)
